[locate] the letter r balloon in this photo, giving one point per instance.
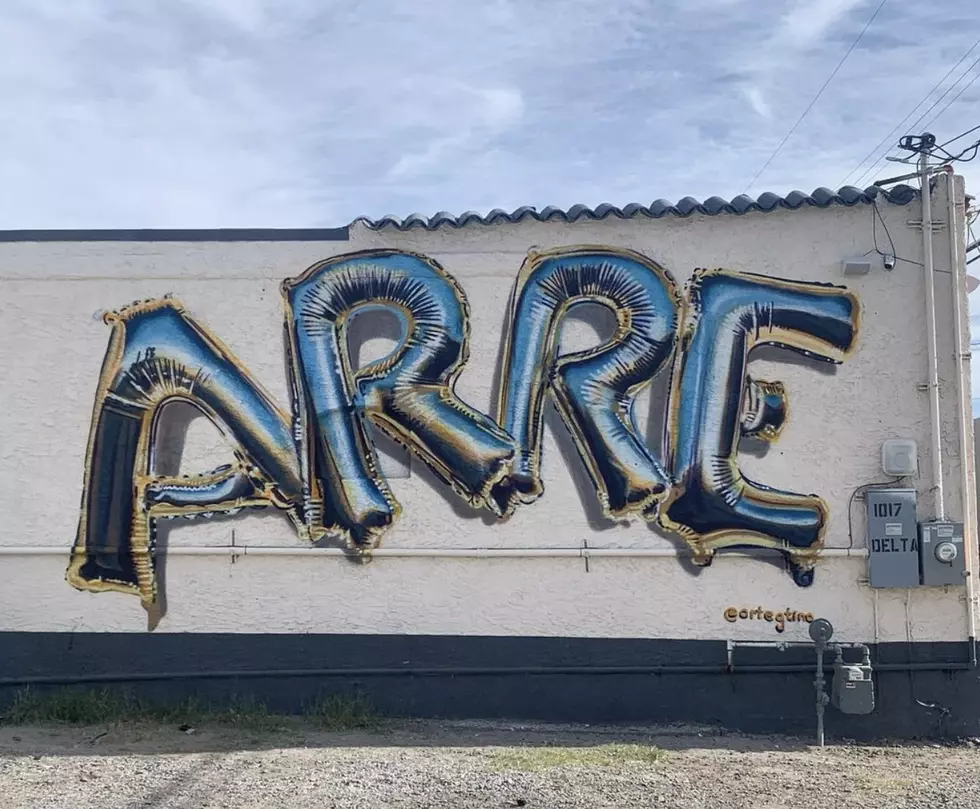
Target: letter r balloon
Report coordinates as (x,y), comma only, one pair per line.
(408,394)
(595,390)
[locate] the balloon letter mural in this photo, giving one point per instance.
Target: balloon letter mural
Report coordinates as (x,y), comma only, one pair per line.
(711,503)
(156,355)
(595,389)
(320,466)
(407,394)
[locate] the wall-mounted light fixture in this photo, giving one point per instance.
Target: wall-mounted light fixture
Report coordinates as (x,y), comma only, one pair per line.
(899,457)
(856,266)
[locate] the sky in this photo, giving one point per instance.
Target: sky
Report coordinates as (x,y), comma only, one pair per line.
(304,113)
(296,113)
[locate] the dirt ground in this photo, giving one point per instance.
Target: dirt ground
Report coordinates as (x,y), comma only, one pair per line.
(467,764)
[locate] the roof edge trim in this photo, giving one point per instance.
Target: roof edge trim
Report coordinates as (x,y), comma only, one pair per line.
(847,196)
(181,235)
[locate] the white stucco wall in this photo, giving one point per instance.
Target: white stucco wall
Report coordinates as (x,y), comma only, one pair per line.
(52,343)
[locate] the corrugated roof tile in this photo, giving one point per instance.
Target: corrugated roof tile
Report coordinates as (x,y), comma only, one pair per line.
(713,206)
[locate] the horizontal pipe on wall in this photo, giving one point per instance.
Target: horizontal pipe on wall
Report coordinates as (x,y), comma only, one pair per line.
(434,553)
(502,671)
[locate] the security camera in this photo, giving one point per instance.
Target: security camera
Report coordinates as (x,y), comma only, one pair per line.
(888,261)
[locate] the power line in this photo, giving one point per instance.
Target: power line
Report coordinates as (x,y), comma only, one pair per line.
(901,123)
(953,100)
(961,135)
(914,126)
(816,98)
(919,120)
(934,104)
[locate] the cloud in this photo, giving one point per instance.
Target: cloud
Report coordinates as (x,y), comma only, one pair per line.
(810,20)
(757,102)
(473,116)
(236,113)
(205,113)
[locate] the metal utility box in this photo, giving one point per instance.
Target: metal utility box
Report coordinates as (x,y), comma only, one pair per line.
(853,690)
(893,538)
(941,553)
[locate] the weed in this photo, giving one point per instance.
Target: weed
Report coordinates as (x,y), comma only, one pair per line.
(69,706)
(89,707)
(343,712)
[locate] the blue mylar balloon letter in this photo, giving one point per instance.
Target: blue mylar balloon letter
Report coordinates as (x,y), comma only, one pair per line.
(407,394)
(595,389)
(158,354)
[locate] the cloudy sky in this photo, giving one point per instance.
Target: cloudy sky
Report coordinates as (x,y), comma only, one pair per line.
(209,113)
(238,113)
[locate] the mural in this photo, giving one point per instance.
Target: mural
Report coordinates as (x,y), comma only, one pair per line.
(408,394)
(318,464)
(594,390)
(711,504)
(158,354)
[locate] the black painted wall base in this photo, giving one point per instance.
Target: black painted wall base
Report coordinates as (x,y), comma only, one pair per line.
(556,679)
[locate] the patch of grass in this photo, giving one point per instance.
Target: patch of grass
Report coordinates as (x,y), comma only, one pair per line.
(343,712)
(883,784)
(527,759)
(68,706)
(75,706)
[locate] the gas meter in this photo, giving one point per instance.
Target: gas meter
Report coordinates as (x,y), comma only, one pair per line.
(853,690)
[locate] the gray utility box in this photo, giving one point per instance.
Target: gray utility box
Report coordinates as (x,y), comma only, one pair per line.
(893,538)
(941,549)
(853,689)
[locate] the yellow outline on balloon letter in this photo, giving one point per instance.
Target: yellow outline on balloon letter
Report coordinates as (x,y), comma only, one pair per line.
(173,359)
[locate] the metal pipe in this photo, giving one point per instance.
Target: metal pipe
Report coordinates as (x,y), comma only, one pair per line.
(950,666)
(445,671)
(933,357)
(964,413)
(890,180)
(392,553)
(782,646)
(822,698)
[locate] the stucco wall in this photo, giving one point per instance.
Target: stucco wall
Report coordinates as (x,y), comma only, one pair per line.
(52,344)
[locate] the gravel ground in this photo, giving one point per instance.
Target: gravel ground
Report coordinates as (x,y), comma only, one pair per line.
(467,764)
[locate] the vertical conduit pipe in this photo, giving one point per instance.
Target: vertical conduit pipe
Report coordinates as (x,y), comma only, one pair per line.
(935,439)
(964,414)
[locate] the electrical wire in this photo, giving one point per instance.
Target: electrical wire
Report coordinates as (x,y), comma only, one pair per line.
(944,156)
(876,217)
(961,135)
(969,227)
(901,123)
(975,148)
(861,491)
(915,125)
(816,98)
(919,120)
(966,87)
